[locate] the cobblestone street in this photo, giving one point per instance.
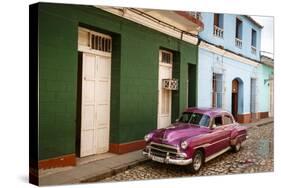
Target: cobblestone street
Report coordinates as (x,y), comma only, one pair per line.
(256,155)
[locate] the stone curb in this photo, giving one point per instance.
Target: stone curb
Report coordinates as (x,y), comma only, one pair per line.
(114,171)
(258,124)
(266,123)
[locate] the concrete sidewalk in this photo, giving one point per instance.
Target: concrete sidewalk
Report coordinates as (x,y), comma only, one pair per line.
(97,170)
(261,122)
(93,171)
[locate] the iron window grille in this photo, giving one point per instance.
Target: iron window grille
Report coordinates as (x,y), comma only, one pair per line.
(166,57)
(100,43)
(94,40)
(217,90)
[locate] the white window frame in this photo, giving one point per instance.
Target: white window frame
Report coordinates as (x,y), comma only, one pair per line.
(168,53)
(88,47)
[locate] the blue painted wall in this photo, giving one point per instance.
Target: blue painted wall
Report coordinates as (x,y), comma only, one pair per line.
(228,41)
(209,63)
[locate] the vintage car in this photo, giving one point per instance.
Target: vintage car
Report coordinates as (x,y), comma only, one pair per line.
(198,136)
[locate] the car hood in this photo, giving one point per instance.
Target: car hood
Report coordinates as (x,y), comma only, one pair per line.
(177,132)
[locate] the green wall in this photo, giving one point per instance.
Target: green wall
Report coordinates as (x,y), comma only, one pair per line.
(134,81)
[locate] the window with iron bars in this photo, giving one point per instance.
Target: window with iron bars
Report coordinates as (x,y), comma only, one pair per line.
(94,40)
(217,91)
(166,57)
(100,43)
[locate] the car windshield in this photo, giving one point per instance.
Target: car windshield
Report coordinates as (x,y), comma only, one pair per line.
(195,118)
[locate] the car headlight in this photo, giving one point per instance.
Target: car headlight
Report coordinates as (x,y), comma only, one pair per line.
(147,137)
(184,144)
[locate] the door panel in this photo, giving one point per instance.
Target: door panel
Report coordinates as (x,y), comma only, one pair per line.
(88,118)
(102,115)
(102,95)
(216,141)
(164,95)
(234,98)
(89,92)
(101,138)
(95,104)
(234,105)
(165,98)
(102,104)
(219,137)
(87,142)
(89,66)
(103,67)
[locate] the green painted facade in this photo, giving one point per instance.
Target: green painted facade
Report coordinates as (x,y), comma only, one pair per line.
(134,79)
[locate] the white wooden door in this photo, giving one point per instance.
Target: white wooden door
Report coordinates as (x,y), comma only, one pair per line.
(164,95)
(95,104)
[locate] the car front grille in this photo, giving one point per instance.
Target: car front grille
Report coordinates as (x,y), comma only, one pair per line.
(163,150)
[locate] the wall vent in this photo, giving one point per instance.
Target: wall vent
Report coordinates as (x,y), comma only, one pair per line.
(170,84)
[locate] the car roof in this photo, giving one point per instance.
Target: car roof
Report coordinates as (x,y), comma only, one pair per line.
(208,111)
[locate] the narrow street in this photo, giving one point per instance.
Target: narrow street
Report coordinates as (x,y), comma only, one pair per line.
(256,155)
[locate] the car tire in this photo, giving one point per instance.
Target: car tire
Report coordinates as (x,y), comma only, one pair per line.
(236,148)
(197,162)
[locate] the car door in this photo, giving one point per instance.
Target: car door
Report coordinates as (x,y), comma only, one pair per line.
(228,125)
(218,136)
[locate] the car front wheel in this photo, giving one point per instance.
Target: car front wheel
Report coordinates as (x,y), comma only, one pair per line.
(237,146)
(197,161)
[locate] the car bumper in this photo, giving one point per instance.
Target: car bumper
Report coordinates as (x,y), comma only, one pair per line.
(167,160)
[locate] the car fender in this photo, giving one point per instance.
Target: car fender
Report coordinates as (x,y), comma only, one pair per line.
(235,134)
(195,143)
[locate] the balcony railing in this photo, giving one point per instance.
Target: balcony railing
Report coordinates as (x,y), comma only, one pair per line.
(253,50)
(238,43)
(196,15)
(218,32)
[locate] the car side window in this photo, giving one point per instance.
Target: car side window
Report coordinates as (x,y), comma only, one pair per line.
(227,120)
(218,121)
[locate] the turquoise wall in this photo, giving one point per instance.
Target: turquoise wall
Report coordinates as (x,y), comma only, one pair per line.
(264,73)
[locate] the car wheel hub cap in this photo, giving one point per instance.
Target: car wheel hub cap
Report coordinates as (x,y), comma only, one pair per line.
(197,162)
(238,146)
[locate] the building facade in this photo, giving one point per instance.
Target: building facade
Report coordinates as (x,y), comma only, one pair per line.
(107,75)
(102,75)
(230,72)
(266,69)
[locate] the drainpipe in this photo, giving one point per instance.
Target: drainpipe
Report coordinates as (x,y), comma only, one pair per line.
(181,35)
(198,41)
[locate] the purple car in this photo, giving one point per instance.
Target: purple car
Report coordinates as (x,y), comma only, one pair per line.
(198,136)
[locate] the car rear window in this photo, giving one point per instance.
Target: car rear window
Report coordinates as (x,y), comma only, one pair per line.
(227,120)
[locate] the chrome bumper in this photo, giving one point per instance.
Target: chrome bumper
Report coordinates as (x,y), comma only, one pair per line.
(167,160)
